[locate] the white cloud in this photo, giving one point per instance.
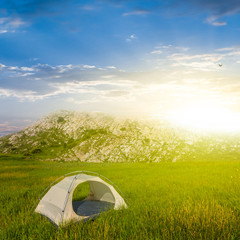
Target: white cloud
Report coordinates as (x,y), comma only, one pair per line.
(26,74)
(108,76)
(3,20)
(64,68)
(131,37)
(166,46)
(183,49)
(27,69)
(16,22)
(235,52)
(177,56)
(13,68)
(111,67)
(117,93)
(219,23)
(78,102)
(84,84)
(10,24)
(213,20)
(20,94)
(204,66)
(137,12)
(3,31)
(169,48)
(43,81)
(201,63)
(225,49)
(89,66)
(156,52)
(204,57)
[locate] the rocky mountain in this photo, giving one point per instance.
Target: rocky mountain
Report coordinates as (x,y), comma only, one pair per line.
(96,137)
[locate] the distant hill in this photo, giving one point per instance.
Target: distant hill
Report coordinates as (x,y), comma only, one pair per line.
(96,137)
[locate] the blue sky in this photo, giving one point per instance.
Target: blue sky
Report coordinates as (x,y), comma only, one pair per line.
(124,57)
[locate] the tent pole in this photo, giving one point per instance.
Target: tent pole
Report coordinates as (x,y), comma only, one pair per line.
(69,190)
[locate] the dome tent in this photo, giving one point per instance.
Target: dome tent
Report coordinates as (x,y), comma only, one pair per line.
(57,204)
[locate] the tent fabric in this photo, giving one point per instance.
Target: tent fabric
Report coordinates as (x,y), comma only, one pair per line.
(57,203)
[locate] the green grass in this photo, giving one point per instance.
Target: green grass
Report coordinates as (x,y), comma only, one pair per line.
(81,192)
(182,200)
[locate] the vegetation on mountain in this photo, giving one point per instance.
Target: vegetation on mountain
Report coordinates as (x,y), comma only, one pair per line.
(96,137)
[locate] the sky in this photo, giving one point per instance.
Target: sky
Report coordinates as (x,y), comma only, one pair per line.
(119,57)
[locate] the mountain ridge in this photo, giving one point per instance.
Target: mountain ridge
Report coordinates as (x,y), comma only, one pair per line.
(98,137)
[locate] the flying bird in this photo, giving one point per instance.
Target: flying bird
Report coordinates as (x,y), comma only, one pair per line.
(220,65)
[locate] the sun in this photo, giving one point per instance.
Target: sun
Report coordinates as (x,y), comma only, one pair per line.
(206,116)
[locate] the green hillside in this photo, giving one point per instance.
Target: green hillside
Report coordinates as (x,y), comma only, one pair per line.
(95,137)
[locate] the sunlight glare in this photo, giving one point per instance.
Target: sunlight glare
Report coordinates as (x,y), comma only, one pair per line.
(205,116)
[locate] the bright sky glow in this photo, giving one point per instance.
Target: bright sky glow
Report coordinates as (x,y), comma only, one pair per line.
(120,57)
(207,117)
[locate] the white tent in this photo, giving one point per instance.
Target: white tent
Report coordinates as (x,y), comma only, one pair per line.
(58,206)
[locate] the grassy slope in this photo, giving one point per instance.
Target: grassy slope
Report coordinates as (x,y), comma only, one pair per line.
(187,200)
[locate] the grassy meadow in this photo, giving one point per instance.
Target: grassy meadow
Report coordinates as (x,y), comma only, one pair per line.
(181,200)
